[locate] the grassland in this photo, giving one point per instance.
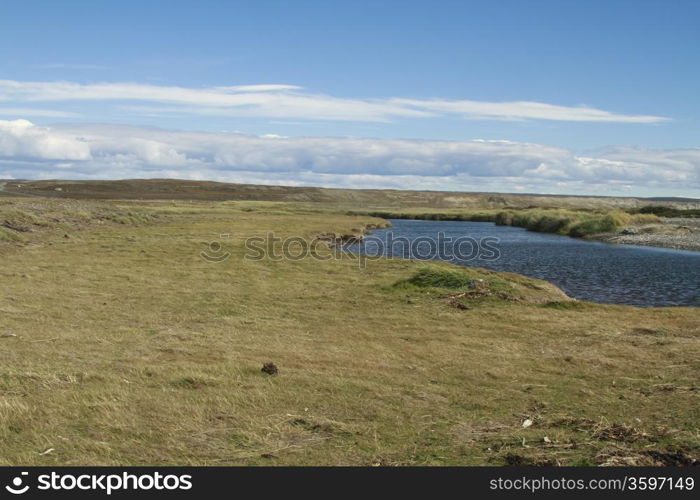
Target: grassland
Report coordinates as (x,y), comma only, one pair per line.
(120,344)
(403,201)
(636,221)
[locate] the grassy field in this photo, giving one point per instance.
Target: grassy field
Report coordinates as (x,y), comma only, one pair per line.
(120,344)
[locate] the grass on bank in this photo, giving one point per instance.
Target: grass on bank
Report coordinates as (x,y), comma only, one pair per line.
(124,346)
(572,223)
(577,223)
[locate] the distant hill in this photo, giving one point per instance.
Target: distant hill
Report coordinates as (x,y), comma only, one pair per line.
(674,199)
(172,189)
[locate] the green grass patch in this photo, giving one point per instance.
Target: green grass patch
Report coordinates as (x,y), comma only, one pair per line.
(10,235)
(440,278)
(577,223)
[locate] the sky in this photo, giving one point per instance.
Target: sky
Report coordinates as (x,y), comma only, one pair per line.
(569,97)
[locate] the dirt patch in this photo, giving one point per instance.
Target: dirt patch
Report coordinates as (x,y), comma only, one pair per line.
(645,331)
(605,431)
(673,458)
(670,388)
(323,428)
(669,457)
(459,305)
(190,383)
(515,460)
(270,369)
(469,432)
(356,234)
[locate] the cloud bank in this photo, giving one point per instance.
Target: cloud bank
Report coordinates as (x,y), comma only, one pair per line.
(290,101)
(113,152)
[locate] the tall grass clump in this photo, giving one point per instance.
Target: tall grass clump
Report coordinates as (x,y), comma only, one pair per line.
(594,225)
(571,223)
(646,218)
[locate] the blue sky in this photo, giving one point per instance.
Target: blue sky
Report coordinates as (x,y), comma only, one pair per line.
(607,90)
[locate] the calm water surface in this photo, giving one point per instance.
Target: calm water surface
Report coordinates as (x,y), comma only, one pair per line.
(600,272)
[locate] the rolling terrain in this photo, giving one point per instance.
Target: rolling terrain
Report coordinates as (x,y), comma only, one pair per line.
(120,343)
(173,189)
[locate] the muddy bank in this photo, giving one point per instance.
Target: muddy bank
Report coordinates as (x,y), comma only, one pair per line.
(355,235)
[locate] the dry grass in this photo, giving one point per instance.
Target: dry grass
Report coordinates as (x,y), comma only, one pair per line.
(121,345)
(375,199)
(573,223)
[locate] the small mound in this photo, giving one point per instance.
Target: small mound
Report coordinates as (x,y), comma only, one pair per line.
(464,286)
(442,278)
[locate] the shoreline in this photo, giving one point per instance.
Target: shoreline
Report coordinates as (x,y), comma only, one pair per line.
(670,233)
(580,289)
(647,241)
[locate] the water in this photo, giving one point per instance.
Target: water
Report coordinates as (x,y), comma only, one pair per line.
(599,272)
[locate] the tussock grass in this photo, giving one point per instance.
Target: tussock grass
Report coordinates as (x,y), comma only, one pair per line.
(572,223)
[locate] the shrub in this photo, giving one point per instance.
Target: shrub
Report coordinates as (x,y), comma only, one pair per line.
(596,225)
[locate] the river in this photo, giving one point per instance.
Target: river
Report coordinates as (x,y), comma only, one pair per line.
(594,271)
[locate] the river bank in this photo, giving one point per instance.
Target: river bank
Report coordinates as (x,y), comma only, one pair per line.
(616,227)
(584,269)
(675,233)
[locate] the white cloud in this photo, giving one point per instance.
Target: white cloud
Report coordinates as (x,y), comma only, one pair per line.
(258,88)
(48,113)
(289,101)
(519,110)
(22,140)
(78,66)
(110,152)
